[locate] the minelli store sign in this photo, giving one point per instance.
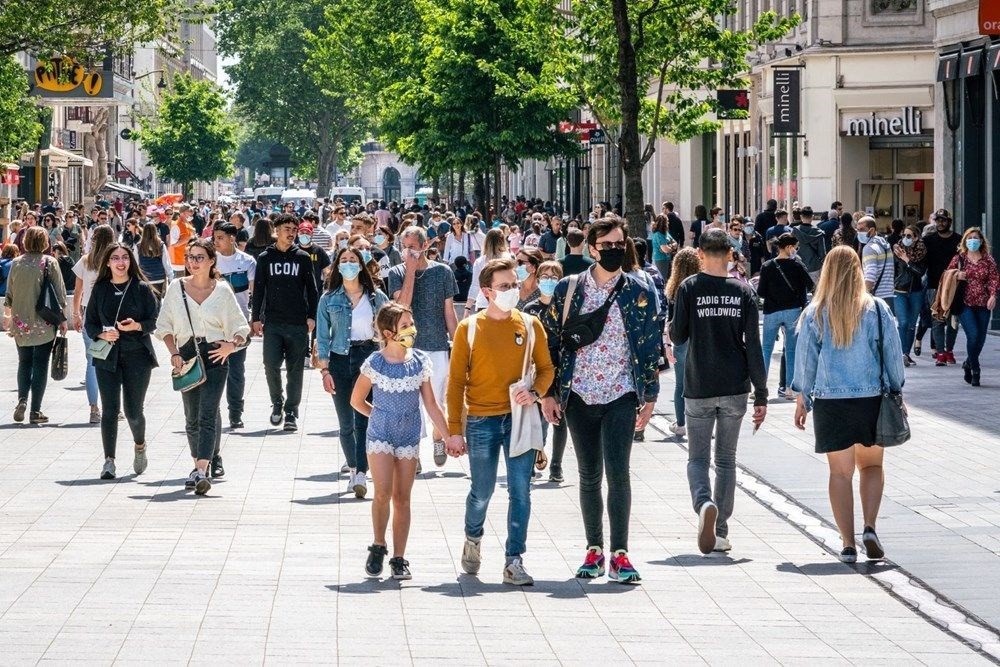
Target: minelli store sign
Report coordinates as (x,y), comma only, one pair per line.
(989,17)
(905,122)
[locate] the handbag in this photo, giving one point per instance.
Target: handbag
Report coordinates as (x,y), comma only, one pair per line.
(893,427)
(191,374)
(47,306)
(100,348)
(60,358)
(583,329)
(958,300)
(525,420)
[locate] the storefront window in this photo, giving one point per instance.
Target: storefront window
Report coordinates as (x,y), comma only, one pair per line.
(881,163)
(914,161)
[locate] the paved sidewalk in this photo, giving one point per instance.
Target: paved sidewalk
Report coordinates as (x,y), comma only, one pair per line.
(269,567)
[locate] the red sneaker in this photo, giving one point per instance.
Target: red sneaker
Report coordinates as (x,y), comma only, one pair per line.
(621,569)
(593,564)
(951,358)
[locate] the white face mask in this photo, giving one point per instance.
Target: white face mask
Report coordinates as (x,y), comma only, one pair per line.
(507,300)
(730,265)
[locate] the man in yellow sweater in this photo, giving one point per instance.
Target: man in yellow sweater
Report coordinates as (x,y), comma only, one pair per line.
(478,385)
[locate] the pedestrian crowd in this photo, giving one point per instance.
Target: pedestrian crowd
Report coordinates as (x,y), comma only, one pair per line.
(487,331)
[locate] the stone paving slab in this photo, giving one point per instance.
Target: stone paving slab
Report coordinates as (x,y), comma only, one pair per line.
(269,567)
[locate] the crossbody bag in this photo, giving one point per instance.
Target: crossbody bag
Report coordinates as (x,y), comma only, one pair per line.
(100,348)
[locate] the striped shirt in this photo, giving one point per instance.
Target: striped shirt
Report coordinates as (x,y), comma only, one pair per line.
(879,267)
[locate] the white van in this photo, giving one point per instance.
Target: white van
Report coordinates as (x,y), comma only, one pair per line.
(349,195)
(295,195)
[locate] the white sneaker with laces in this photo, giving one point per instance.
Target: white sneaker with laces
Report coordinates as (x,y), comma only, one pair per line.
(722,545)
(470,556)
(679,431)
(515,574)
(350,479)
(360,486)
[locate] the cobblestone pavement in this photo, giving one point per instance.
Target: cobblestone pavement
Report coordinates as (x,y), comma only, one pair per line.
(269,567)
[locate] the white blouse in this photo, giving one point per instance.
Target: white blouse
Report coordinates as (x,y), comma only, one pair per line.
(218,317)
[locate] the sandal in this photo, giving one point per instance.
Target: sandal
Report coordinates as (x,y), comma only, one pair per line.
(541,460)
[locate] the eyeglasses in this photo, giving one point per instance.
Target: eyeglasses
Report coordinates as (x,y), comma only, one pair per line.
(196,259)
(612,245)
(909,236)
(119,258)
(522,262)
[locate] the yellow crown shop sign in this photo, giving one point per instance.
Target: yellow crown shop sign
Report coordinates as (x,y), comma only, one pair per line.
(64,77)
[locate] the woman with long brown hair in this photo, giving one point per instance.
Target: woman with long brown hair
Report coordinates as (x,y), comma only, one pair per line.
(847,351)
(684,265)
(154,259)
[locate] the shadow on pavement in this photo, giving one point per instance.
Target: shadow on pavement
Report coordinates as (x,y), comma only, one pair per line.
(366,587)
(830,568)
(325,477)
(172,496)
(93,481)
(468,585)
(332,499)
(249,434)
(698,560)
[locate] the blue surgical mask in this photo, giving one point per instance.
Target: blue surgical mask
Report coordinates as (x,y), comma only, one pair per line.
(496,224)
(547,286)
(973,244)
(863,237)
(366,256)
(342,244)
(349,270)
(521,272)
(907,242)
(305,239)
(379,239)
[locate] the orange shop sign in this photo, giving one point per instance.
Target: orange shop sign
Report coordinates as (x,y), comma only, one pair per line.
(989,17)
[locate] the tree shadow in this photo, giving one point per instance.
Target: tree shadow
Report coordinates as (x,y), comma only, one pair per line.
(699,560)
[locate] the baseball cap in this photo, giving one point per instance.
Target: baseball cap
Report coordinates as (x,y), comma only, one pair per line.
(306,227)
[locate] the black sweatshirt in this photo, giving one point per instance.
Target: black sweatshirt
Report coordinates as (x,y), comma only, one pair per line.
(781,295)
(940,251)
(719,318)
(284,288)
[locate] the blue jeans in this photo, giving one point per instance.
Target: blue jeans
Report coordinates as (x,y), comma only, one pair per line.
(908,305)
(485,437)
(783,319)
(680,356)
(236,382)
(975,322)
(90,375)
(345,369)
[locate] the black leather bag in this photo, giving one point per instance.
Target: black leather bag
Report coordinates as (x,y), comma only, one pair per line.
(47,306)
(60,358)
(893,426)
(583,329)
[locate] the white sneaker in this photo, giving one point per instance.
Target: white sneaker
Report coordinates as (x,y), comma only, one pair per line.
(707,515)
(679,431)
(470,556)
(515,574)
(351,473)
(722,544)
(360,484)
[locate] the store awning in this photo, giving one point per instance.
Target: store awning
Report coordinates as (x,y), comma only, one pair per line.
(124,189)
(72,159)
(947,67)
(993,58)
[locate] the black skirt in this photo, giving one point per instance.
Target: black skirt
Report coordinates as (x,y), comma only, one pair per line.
(840,423)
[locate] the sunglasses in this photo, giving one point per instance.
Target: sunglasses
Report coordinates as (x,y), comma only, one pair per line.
(612,245)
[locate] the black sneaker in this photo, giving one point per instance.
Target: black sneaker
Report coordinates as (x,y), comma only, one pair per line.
(38,418)
(556,475)
(873,547)
(376,554)
(202,485)
(782,391)
(20,409)
(216,467)
(190,481)
(400,568)
(235,421)
(290,424)
(276,415)
(849,555)
(639,436)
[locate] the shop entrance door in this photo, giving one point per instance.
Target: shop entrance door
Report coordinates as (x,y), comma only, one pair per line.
(881,200)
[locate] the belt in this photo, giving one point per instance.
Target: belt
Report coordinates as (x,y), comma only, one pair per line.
(359,343)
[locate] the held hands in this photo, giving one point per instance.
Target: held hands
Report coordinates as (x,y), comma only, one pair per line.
(551,410)
(523,397)
(455,446)
(221,351)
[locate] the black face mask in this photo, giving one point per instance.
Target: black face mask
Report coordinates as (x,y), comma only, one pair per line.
(612,260)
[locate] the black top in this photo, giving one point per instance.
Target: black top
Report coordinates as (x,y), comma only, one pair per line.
(940,250)
(719,318)
(909,275)
(574,264)
(320,260)
(777,293)
(676,228)
(764,221)
(284,290)
(138,302)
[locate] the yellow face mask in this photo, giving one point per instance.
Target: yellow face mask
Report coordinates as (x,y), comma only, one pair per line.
(406,336)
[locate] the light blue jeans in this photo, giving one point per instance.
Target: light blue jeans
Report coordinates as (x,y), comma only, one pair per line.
(91,373)
(783,319)
(485,438)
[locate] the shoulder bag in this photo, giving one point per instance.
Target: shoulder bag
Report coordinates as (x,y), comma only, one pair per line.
(191,374)
(893,426)
(583,329)
(60,358)
(100,348)
(525,420)
(47,306)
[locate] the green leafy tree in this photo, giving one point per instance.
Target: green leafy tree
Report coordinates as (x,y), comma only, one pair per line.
(44,27)
(253,150)
(19,122)
(192,138)
(677,48)
(275,86)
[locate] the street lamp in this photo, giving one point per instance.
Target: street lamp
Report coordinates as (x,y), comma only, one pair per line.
(161,84)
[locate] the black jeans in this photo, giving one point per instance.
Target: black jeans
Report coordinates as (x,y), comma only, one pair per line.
(285,343)
(602,437)
(201,413)
(559,436)
(345,369)
(129,381)
(33,372)
(236,382)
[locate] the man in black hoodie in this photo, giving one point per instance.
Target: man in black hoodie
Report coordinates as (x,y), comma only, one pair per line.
(812,243)
(284,299)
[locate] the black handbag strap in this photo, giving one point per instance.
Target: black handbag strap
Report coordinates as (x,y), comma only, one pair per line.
(606,306)
(881,357)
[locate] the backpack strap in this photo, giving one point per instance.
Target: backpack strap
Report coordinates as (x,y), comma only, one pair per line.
(573,281)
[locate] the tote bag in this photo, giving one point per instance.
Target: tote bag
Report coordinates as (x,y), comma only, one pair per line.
(525,420)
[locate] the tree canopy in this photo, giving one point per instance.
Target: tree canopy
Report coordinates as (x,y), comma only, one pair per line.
(192,137)
(19,123)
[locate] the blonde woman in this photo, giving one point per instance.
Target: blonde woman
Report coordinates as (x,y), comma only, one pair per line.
(839,358)
(494,247)
(685,264)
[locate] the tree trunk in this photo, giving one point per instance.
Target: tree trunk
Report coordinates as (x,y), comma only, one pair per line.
(435,188)
(496,191)
(327,155)
(479,190)
(629,146)
(461,188)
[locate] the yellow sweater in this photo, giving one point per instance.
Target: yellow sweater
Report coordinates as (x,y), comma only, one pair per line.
(497,360)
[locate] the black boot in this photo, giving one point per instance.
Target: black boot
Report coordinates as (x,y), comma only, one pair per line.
(975,378)
(968,372)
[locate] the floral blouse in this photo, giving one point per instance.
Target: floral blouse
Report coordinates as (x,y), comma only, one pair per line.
(24,284)
(982,280)
(603,372)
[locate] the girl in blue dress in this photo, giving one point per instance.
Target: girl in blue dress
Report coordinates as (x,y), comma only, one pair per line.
(397,377)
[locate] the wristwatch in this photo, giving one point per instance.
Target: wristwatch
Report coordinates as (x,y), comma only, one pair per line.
(535,394)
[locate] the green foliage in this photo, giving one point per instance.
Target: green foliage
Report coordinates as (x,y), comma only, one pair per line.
(253,150)
(192,137)
(275,85)
(76,27)
(19,122)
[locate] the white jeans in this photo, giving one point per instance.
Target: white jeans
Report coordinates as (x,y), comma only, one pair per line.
(439,383)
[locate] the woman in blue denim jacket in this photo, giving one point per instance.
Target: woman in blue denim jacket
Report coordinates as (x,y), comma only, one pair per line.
(839,360)
(345,334)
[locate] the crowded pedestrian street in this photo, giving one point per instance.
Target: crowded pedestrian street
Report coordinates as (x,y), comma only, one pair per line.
(269,566)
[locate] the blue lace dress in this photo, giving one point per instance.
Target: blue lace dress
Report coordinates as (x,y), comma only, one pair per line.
(394,426)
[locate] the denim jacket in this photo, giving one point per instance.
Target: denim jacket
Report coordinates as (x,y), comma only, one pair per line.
(637,302)
(333,320)
(825,371)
